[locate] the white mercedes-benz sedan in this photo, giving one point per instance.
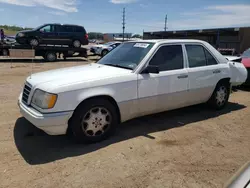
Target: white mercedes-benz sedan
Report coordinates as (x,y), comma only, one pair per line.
(135,79)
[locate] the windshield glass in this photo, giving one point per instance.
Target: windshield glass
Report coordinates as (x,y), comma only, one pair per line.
(246,53)
(39,27)
(127,55)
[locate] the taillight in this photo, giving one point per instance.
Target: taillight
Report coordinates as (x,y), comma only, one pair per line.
(87,36)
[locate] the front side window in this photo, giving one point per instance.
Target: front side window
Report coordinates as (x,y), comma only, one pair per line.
(127,55)
(168,58)
(46,29)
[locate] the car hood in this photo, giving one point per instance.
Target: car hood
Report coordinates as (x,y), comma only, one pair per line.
(98,46)
(65,77)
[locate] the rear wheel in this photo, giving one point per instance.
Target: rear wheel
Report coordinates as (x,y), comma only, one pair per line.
(94,121)
(77,44)
(50,56)
(34,42)
(220,96)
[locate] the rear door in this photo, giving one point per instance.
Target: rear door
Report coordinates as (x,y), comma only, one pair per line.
(66,34)
(204,73)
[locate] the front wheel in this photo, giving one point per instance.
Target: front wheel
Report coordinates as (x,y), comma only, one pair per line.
(50,56)
(94,121)
(220,96)
(34,42)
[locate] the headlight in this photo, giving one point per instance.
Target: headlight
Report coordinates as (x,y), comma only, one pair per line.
(20,35)
(43,99)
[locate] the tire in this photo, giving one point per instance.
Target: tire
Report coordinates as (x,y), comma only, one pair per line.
(50,56)
(76,44)
(34,42)
(104,52)
(102,124)
(5,52)
(220,96)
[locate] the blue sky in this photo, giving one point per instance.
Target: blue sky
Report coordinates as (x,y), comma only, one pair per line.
(147,15)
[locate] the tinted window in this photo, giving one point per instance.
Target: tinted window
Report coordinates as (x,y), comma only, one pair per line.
(168,58)
(210,58)
(67,29)
(79,29)
(196,55)
(246,53)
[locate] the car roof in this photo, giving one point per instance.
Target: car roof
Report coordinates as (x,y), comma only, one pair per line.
(170,41)
(63,24)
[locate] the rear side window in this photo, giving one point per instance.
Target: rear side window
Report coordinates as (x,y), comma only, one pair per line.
(79,29)
(67,28)
(168,58)
(198,56)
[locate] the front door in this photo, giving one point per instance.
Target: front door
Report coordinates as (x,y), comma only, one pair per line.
(49,34)
(166,90)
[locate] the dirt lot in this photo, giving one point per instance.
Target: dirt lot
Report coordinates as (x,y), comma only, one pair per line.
(190,147)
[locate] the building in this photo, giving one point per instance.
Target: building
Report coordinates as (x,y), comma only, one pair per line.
(233,38)
(111,36)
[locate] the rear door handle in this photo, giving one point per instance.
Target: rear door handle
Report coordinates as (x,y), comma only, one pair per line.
(216,71)
(182,76)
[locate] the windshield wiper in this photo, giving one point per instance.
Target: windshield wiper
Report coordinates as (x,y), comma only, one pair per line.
(119,66)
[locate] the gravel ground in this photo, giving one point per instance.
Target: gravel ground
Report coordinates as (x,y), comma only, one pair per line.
(190,147)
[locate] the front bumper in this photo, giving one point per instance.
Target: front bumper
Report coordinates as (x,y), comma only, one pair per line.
(52,123)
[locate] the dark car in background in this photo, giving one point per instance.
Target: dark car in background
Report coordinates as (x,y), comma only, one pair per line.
(55,34)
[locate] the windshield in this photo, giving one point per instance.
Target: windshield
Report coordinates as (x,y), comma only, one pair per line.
(246,53)
(39,27)
(127,55)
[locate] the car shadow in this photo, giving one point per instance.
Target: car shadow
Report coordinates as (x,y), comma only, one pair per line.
(39,60)
(36,147)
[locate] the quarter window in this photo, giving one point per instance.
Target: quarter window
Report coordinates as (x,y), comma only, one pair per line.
(210,58)
(168,58)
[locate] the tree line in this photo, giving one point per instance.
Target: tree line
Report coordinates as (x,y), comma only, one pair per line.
(14,28)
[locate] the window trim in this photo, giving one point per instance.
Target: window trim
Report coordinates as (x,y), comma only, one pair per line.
(199,44)
(156,50)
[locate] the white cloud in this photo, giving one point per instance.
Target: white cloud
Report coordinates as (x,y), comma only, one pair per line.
(211,17)
(58,13)
(123,1)
(63,5)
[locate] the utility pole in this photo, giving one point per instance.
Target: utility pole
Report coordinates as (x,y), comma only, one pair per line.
(166,19)
(123,24)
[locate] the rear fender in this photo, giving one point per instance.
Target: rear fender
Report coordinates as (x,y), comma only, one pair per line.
(238,73)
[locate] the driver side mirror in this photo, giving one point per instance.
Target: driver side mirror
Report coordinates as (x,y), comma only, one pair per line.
(151,69)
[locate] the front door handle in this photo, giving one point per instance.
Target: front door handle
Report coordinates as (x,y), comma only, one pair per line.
(216,71)
(183,76)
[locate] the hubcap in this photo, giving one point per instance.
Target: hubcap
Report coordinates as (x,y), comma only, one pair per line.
(51,57)
(77,43)
(96,121)
(221,95)
(105,53)
(34,42)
